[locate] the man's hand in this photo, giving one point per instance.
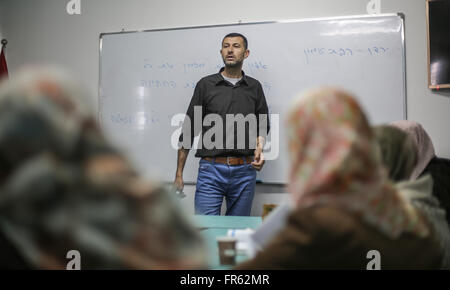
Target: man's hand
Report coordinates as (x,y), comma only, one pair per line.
(259,159)
(179,183)
(181,160)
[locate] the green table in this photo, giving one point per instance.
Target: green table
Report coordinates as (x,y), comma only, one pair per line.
(212,227)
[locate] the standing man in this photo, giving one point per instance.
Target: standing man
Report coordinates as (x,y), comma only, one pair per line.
(233,154)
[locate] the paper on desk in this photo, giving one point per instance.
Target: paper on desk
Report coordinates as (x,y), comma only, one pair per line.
(243,245)
(270,227)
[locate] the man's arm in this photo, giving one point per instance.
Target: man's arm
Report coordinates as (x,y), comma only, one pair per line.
(262,112)
(181,161)
(259,156)
(190,127)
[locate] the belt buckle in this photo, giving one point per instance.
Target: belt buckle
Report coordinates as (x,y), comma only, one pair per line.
(228,161)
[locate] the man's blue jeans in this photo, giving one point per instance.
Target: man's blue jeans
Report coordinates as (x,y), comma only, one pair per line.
(234,182)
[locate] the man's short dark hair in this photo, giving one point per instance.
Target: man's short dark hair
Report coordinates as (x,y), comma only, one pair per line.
(235,34)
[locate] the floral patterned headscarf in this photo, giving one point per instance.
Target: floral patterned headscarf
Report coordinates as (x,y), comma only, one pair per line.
(63,187)
(334,160)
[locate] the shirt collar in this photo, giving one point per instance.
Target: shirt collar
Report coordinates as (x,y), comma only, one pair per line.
(220,78)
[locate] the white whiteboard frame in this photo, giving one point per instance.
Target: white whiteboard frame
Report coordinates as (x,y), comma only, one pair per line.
(401,15)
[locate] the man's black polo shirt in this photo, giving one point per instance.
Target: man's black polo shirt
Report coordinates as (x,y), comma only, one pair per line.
(214,95)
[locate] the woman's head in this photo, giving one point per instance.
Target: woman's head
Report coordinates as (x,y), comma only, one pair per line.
(330,143)
(335,161)
(41,110)
(398,151)
(423,144)
(65,187)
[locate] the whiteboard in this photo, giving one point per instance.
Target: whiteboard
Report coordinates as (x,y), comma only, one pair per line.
(148,77)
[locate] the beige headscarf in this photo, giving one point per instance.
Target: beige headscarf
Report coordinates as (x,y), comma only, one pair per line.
(425,148)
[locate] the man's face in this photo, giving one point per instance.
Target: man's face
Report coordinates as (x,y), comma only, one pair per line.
(233,51)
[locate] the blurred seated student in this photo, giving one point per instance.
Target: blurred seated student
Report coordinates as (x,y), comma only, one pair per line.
(399,155)
(345,204)
(64,187)
(428,162)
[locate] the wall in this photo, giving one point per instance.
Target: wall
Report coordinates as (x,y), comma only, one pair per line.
(41,31)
